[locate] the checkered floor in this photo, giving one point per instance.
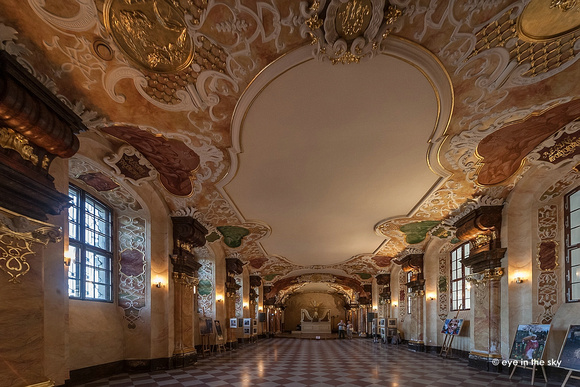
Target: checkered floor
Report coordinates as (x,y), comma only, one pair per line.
(291,362)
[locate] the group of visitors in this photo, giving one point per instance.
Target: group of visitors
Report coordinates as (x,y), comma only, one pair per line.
(344,330)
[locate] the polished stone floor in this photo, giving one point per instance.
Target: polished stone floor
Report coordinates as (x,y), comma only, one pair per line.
(357,362)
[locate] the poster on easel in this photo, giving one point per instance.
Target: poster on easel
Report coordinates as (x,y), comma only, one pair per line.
(205,326)
(570,353)
(452,326)
(529,342)
(218,330)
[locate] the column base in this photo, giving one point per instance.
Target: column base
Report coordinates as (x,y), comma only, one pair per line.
(485,361)
(416,346)
(180,360)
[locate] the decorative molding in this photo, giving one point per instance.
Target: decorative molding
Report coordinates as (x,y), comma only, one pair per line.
(18,236)
(547,296)
(132,267)
(130,164)
(347,31)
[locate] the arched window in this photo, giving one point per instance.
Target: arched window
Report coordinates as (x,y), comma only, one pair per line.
(572,210)
(460,297)
(91,246)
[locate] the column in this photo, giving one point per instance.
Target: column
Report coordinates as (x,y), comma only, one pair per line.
(188,233)
(22,347)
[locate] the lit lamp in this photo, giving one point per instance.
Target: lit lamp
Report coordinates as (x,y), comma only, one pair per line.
(158,281)
(68,256)
(219,298)
(394,303)
(431,296)
(245,305)
(518,278)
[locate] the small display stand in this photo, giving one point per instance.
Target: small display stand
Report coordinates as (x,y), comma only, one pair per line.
(219,337)
(451,328)
(568,358)
(205,345)
(570,376)
(528,348)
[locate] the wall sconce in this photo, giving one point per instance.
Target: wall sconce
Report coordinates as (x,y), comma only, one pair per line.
(158,281)
(219,298)
(68,257)
(431,296)
(260,308)
(245,305)
(518,277)
(394,303)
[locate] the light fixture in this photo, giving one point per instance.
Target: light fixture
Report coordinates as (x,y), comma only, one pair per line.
(518,277)
(394,303)
(158,284)
(245,305)
(68,257)
(158,281)
(431,296)
(219,298)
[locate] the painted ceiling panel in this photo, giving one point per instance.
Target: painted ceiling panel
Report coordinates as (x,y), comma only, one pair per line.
(328,151)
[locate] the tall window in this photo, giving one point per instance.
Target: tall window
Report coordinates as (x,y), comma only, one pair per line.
(90,243)
(572,210)
(460,299)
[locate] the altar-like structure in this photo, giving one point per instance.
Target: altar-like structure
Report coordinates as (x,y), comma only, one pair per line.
(315,323)
(316,327)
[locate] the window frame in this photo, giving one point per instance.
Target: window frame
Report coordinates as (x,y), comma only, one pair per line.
(569,247)
(79,247)
(455,279)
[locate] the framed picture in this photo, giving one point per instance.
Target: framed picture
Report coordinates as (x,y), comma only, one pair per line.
(205,326)
(255,322)
(392,323)
(255,330)
(218,329)
(382,322)
(247,330)
(233,323)
(247,322)
(452,326)
(570,352)
(529,342)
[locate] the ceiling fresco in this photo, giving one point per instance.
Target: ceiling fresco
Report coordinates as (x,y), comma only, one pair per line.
(162,82)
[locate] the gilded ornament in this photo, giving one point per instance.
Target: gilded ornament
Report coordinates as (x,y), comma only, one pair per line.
(563,5)
(352,18)
(562,149)
(9,139)
(153,34)
(13,256)
(541,21)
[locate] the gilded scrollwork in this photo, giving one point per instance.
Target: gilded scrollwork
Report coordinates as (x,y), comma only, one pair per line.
(18,236)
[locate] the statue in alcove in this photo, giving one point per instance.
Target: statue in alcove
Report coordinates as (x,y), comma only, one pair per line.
(316,308)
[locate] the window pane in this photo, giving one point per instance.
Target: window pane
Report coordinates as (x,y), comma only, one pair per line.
(575,292)
(575,201)
(575,257)
(575,236)
(575,274)
(575,219)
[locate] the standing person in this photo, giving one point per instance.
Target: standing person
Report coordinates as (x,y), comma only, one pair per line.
(349,329)
(341,329)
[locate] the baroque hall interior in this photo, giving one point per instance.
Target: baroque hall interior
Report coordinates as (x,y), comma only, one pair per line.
(182,178)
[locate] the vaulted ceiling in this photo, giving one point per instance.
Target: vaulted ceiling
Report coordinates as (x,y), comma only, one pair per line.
(311,137)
